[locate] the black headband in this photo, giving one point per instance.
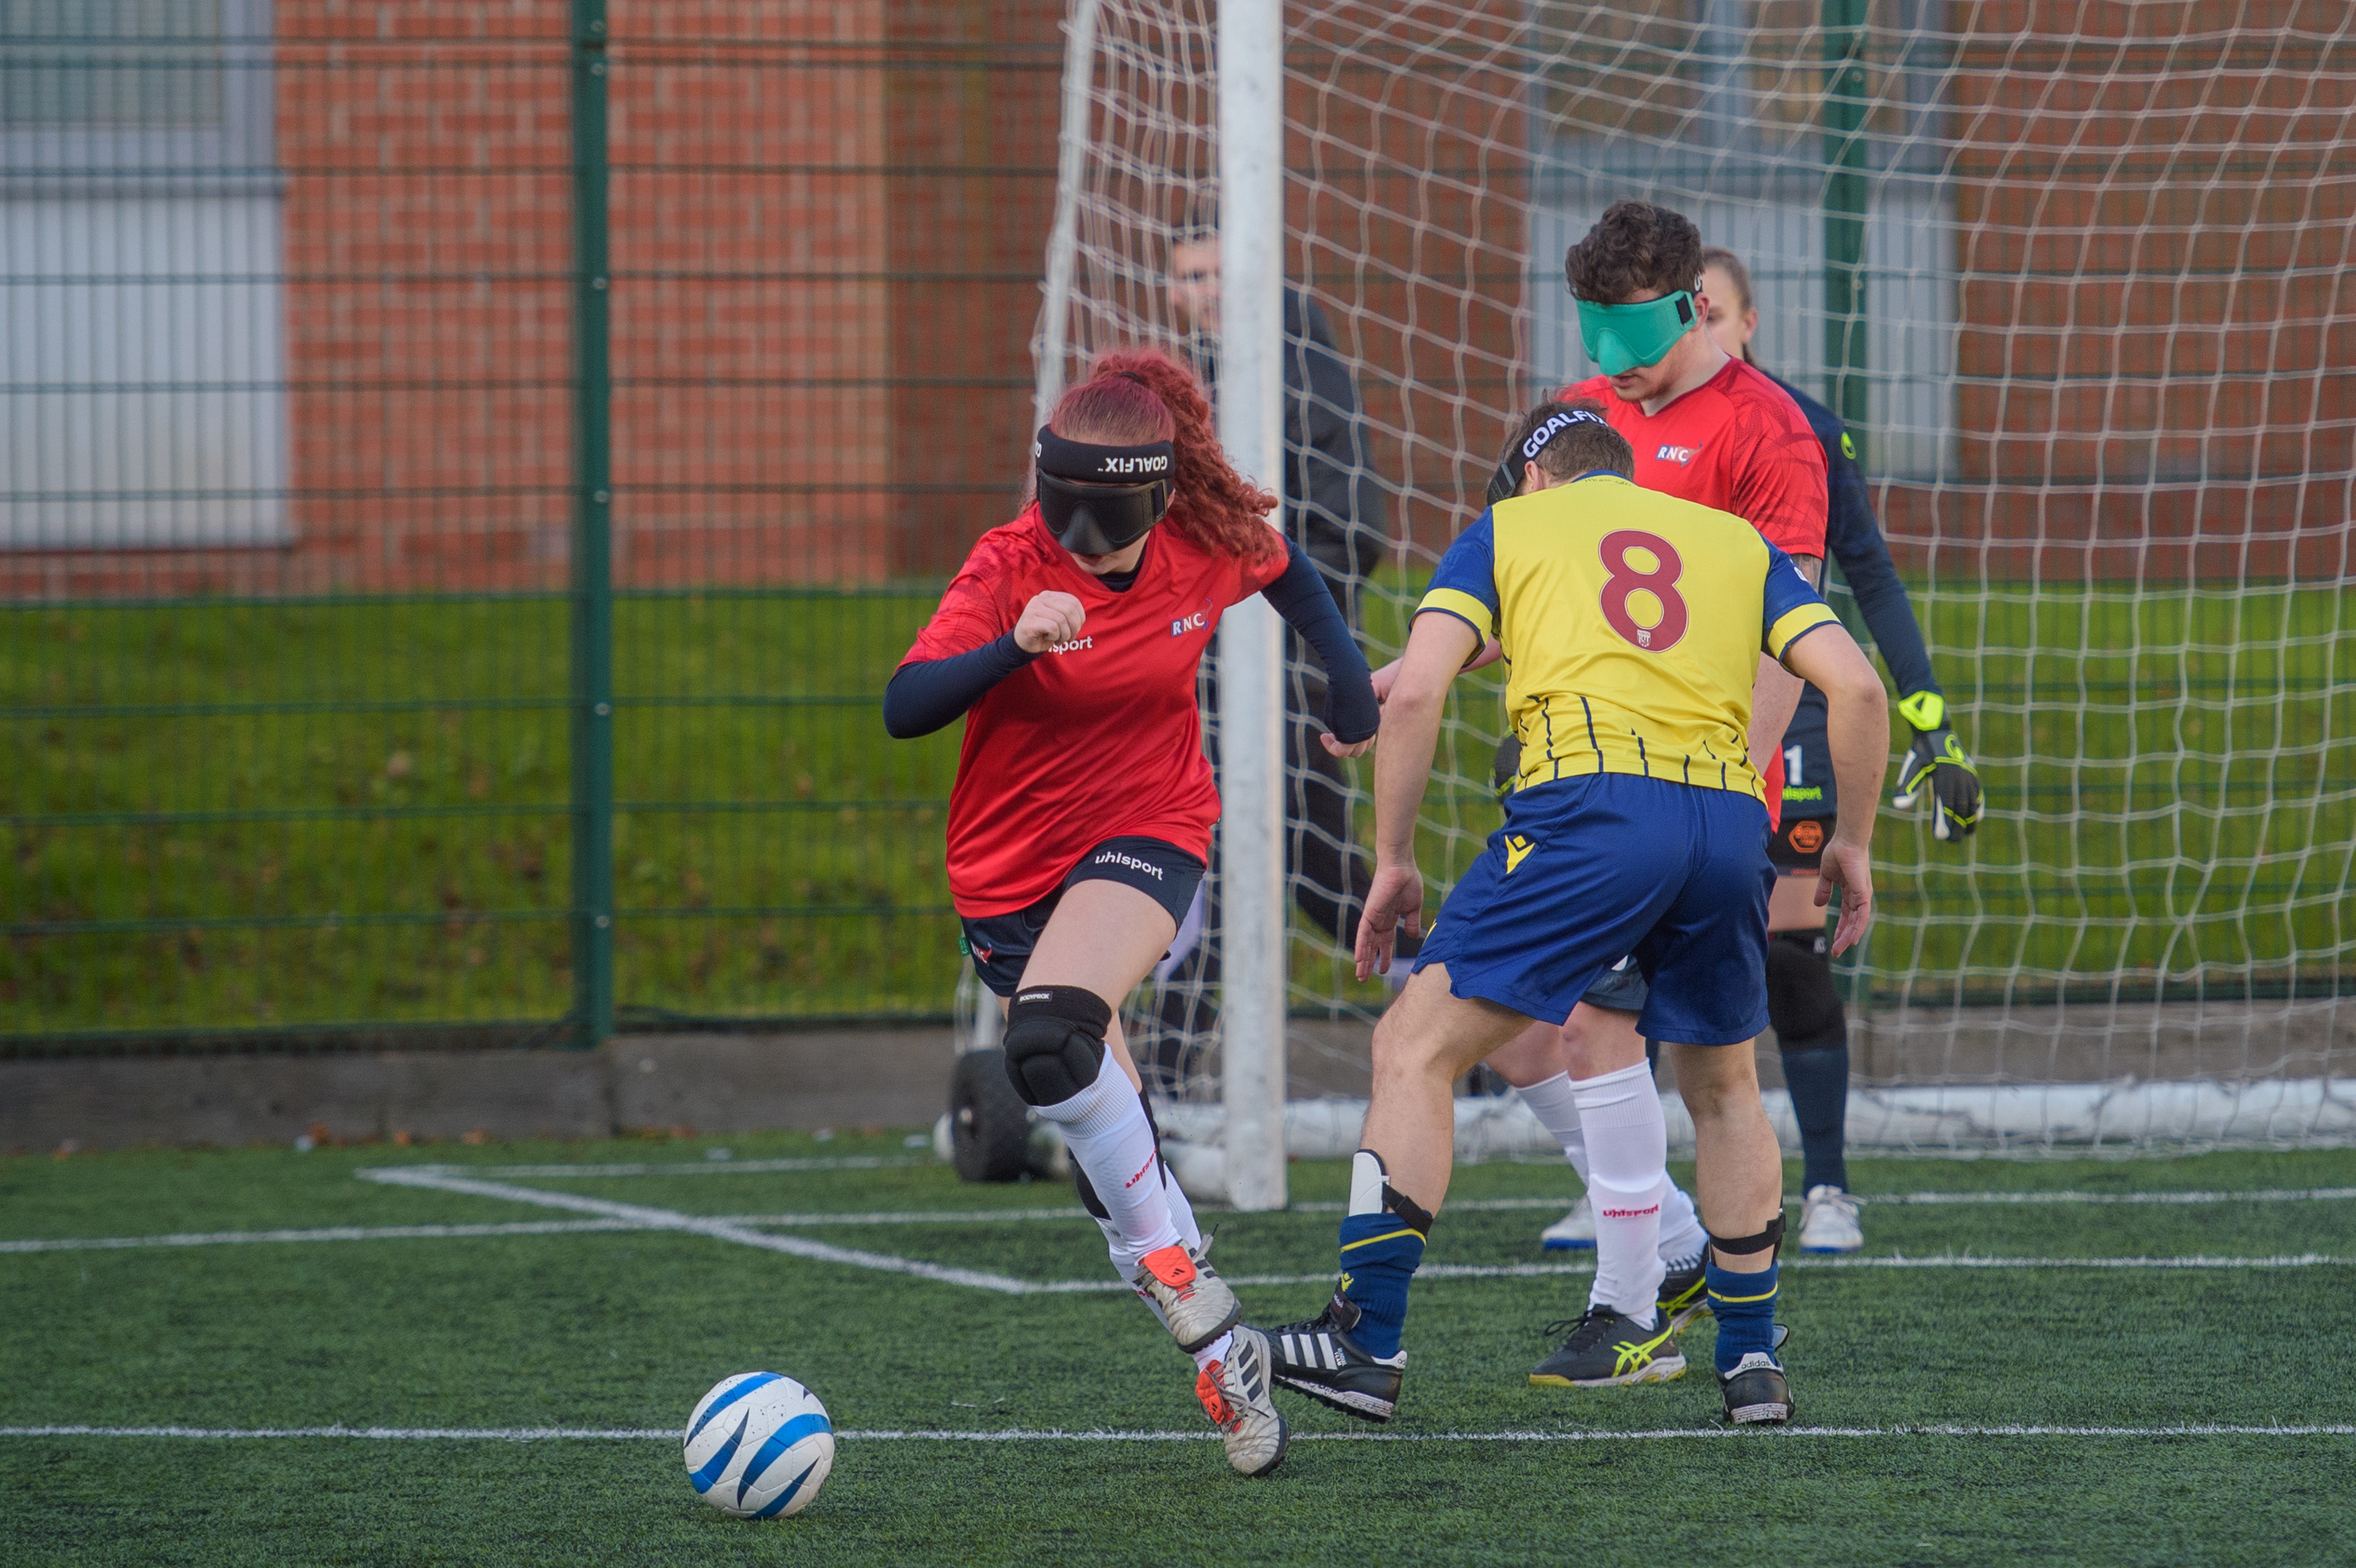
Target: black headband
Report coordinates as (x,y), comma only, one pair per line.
(1103,464)
(1542,437)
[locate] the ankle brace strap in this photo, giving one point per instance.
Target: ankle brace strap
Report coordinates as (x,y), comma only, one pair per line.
(1766,1240)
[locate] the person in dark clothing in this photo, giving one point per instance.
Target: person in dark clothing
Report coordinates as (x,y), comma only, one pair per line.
(1334,504)
(1811,1025)
(1334,510)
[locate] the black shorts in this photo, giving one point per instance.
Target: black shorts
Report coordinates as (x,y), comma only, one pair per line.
(1808,785)
(1000,944)
(1797,848)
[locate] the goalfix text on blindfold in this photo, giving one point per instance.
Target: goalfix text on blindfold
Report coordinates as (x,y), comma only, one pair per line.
(1098,499)
(1620,337)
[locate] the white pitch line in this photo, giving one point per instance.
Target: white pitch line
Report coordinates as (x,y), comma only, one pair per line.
(989,1216)
(1806,1261)
(718,1229)
(2262,1195)
(325,1233)
(678,1166)
(1061,1435)
(908,1217)
(1871,1200)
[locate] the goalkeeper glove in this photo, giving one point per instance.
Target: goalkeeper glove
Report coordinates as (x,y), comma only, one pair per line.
(1937,761)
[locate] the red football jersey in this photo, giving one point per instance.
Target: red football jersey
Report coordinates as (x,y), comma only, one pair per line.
(1097,738)
(1737,442)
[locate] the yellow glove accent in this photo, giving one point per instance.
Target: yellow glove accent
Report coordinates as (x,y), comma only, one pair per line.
(1926,710)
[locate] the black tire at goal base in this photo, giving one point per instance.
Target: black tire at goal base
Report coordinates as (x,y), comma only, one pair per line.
(990,1127)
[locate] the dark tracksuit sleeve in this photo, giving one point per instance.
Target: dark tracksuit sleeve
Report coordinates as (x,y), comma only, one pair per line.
(1302,597)
(1335,506)
(1854,540)
(925,695)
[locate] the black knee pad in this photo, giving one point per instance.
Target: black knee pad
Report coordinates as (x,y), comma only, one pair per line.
(1803,1003)
(1054,1041)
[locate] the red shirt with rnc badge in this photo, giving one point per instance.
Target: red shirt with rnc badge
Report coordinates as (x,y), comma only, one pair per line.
(1097,738)
(1738,443)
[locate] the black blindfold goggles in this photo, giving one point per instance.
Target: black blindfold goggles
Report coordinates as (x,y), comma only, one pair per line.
(1099,499)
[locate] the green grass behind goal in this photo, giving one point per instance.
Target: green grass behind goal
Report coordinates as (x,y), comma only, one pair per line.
(240,816)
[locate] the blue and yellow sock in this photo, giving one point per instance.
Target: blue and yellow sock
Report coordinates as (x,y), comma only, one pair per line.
(1380,1249)
(1744,1306)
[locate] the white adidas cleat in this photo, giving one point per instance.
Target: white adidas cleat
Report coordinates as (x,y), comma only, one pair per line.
(1828,1221)
(1574,1231)
(1236,1396)
(1196,1304)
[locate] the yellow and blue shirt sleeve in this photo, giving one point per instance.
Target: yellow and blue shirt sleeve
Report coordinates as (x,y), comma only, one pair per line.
(1791,609)
(1465,586)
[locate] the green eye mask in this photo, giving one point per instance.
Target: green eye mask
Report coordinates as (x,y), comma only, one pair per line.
(1619,338)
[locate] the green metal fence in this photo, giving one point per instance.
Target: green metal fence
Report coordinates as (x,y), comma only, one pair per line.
(468,474)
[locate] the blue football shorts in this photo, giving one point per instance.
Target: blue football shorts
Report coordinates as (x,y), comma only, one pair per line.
(1590,870)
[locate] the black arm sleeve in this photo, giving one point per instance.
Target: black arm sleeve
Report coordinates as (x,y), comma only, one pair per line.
(929,694)
(1307,605)
(1854,540)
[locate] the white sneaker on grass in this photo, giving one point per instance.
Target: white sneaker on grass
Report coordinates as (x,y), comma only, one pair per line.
(1234,1395)
(1828,1221)
(1573,1231)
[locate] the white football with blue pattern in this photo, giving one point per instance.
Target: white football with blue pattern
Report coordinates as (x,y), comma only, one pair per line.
(758,1445)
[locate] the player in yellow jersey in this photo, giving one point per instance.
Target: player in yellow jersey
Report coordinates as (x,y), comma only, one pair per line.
(1633,623)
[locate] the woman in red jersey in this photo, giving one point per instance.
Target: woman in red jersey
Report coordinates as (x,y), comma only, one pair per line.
(1081,820)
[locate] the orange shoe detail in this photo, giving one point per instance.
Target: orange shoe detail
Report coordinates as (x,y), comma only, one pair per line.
(1214,1404)
(1170,1265)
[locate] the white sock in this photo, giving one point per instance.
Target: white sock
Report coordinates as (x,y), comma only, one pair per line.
(1681,1233)
(1553,1102)
(1111,1140)
(1628,1156)
(1182,1210)
(1216,1351)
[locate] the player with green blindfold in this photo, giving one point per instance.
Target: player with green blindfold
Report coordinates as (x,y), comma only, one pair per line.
(1620,337)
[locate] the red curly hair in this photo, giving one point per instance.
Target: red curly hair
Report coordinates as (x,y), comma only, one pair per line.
(1214,506)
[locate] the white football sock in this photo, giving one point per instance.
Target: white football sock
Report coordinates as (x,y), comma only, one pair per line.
(1182,1209)
(1110,1140)
(1681,1233)
(1555,1105)
(1628,1159)
(1216,1351)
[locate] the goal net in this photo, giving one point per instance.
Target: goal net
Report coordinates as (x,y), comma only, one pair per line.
(2076,277)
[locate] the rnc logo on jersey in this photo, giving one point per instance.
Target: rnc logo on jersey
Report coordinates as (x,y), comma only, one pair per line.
(1193,623)
(1676,454)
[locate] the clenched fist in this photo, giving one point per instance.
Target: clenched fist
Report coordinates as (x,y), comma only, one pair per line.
(1050,618)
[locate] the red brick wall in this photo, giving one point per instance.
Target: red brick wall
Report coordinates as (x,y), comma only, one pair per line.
(828,222)
(1410,130)
(750,433)
(2158,350)
(779,263)
(971,140)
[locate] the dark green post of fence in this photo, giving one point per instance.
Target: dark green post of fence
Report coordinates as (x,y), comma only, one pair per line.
(1845,359)
(1844,166)
(593,577)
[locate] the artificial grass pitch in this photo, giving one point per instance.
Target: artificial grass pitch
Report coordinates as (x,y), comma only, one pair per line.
(622,1331)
